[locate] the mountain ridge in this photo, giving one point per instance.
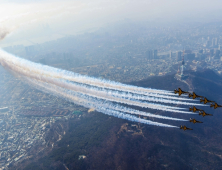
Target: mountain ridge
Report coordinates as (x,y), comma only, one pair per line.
(98,136)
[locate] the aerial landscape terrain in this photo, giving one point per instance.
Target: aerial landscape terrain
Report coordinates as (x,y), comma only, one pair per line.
(110,85)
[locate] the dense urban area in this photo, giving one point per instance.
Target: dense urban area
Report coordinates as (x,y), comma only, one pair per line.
(125,52)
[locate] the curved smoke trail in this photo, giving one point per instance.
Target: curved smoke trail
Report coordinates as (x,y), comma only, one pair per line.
(90,102)
(97,94)
(92,92)
(67,75)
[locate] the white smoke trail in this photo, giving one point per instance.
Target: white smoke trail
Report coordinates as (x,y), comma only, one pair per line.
(101,108)
(69,94)
(137,96)
(97,94)
(62,74)
(132,96)
(133,118)
(83,90)
(92,103)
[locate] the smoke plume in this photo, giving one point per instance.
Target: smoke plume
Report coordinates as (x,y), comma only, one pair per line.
(103,95)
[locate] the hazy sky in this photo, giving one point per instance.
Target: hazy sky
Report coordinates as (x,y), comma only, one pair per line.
(42,20)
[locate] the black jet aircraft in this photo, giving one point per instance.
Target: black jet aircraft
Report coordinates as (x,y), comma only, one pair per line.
(195,121)
(215,105)
(179,91)
(194,109)
(194,95)
(185,128)
(203,113)
(205,100)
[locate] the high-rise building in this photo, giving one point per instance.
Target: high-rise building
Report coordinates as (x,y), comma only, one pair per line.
(149,54)
(211,52)
(171,54)
(155,54)
(208,43)
(182,66)
(214,42)
(179,54)
(217,54)
(181,75)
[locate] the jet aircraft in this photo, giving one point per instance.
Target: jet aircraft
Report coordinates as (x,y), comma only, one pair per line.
(179,91)
(215,105)
(194,109)
(195,121)
(203,113)
(205,100)
(185,128)
(176,91)
(194,96)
